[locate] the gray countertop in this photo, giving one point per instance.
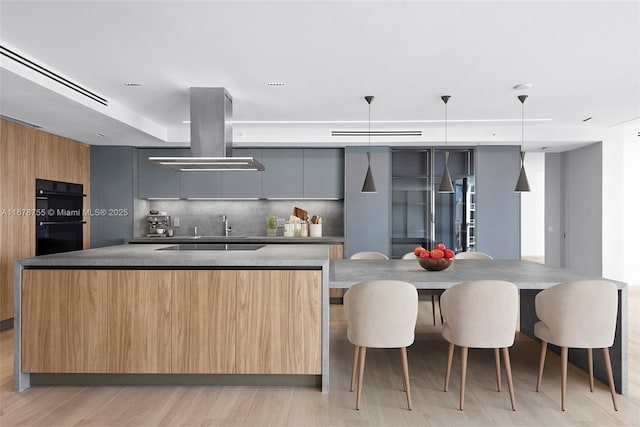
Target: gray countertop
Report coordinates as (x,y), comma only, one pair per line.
(525,274)
(327,240)
(269,256)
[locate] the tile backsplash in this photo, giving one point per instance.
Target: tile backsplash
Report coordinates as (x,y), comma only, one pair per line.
(246,217)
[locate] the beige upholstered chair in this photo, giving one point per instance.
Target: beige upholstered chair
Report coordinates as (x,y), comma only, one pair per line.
(434,294)
(380,314)
(480,314)
(579,314)
(368,255)
(473,255)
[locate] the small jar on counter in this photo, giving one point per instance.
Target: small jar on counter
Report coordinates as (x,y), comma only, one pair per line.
(289,229)
(304,229)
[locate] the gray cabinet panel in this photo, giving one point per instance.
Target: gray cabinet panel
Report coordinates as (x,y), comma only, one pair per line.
(155,180)
(112,184)
(283,174)
(243,184)
(324,173)
(201,185)
(497,205)
(367,215)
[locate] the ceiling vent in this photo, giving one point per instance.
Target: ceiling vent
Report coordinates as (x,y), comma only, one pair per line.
(20,122)
(52,75)
(376,133)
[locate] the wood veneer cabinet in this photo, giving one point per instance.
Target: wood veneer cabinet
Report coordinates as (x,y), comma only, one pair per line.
(279,322)
(27,154)
(203,330)
(139,320)
(96,321)
(181,321)
(336,252)
(64,321)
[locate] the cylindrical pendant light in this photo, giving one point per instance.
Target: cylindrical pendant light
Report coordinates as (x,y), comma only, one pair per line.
(446,186)
(369,186)
(523,183)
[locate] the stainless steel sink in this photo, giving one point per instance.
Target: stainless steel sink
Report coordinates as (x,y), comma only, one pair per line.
(213,247)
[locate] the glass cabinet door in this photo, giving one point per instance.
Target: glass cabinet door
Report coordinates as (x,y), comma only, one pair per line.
(421,215)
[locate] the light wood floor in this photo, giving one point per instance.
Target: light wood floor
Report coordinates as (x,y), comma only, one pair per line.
(383,401)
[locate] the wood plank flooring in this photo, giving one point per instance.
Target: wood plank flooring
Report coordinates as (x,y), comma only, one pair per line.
(383,400)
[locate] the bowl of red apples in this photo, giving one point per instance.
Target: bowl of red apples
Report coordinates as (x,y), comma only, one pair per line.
(440,258)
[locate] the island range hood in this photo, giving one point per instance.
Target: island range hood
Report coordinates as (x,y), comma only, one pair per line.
(211,135)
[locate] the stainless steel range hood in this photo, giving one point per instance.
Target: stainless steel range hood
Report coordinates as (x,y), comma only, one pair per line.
(211,135)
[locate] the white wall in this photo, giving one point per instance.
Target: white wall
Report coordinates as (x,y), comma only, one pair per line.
(621,203)
(532,208)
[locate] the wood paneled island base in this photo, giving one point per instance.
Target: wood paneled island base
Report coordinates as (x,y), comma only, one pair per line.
(204,325)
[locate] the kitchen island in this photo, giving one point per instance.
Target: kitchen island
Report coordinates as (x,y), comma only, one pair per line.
(142,314)
(529,277)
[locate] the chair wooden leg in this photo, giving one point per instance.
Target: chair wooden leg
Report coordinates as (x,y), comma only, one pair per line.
(564,355)
(449,362)
(433,308)
(543,355)
(496,352)
(463,375)
(590,363)
(354,366)
(405,375)
(440,309)
(607,365)
(363,354)
(507,368)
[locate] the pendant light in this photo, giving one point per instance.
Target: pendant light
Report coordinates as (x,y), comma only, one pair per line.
(369,186)
(446,186)
(523,183)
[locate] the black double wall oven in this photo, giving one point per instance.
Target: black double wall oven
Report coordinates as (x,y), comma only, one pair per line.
(59,216)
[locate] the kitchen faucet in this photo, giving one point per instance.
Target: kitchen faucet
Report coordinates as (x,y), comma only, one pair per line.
(227,227)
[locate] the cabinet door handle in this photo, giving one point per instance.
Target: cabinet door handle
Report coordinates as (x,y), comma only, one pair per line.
(61,222)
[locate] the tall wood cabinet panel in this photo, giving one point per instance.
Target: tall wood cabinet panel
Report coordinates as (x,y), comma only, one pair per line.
(139,333)
(27,154)
(17,191)
(203,329)
(64,324)
(279,322)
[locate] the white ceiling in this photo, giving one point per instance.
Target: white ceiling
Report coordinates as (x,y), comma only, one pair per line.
(582,58)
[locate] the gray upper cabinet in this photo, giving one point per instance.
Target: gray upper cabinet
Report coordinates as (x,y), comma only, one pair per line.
(243,184)
(201,185)
(155,181)
(323,173)
(283,174)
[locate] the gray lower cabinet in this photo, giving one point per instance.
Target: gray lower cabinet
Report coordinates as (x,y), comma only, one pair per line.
(156,181)
(243,184)
(283,174)
(323,173)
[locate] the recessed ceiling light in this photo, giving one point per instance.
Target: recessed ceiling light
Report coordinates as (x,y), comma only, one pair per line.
(587,119)
(132,84)
(275,84)
(186,122)
(522,86)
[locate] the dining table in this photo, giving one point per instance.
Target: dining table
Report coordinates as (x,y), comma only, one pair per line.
(529,277)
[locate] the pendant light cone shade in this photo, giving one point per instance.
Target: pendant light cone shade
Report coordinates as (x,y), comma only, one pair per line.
(446,186)
(523,183)
(369,186)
